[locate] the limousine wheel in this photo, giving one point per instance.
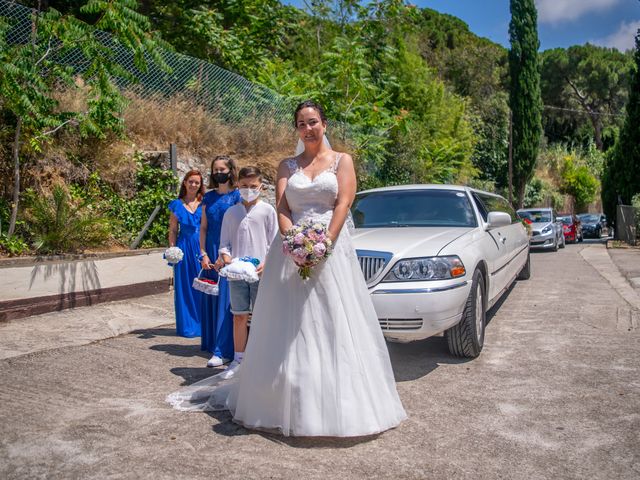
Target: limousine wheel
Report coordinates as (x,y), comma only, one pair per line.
(467,337)
(525,273)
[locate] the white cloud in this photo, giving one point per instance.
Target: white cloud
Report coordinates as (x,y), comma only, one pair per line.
(556,11)
(623,39)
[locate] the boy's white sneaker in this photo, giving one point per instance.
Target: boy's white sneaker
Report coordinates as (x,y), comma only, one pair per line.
(217,361)
(231,370)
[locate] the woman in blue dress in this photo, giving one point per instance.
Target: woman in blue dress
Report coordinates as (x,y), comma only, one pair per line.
(184,232)
(215,313)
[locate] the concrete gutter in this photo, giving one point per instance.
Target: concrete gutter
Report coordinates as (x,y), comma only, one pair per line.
(598,257)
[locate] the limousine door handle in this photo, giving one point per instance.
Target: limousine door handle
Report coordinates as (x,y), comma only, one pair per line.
(503,240)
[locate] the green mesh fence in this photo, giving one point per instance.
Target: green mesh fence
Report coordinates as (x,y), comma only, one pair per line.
(227,95)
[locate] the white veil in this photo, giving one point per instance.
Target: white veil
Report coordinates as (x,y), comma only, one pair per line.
(300,145)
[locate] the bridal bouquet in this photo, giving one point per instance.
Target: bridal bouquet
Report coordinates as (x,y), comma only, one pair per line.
(307,244)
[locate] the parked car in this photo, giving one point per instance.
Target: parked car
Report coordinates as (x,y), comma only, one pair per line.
(546,230)
(436,258)
(571,227)
(594,225)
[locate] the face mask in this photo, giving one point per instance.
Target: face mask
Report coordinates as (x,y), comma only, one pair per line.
(249,194)
(220,177)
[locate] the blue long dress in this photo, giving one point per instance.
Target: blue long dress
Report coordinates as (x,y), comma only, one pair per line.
(186,299)
(215,312)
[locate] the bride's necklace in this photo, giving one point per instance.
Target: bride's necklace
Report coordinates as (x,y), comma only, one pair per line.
(314,162)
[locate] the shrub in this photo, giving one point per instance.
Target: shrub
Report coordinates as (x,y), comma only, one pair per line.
(578,182)
(13,245)
(635,202)
(58,224)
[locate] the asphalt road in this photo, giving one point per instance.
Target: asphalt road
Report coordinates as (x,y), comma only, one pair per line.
(555,394)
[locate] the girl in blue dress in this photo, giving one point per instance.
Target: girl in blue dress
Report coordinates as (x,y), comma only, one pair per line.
(184,232)
(215,313)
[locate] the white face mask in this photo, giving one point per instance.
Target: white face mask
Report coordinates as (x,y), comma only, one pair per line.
(249,194)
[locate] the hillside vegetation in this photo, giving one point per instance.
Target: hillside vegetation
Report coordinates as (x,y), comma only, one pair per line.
(415,95)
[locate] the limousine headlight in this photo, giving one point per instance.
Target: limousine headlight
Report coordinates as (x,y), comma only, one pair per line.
(427,268)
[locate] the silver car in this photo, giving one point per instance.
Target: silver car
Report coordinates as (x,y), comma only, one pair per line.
(436,258)
(546,228)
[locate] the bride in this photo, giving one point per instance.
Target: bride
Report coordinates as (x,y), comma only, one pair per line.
(316,363)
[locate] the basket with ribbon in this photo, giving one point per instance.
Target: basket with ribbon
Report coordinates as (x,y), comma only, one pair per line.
(205,285)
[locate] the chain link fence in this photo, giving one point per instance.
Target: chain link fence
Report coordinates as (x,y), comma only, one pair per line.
(228,96)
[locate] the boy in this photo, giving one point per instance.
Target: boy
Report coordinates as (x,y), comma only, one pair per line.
(248,228)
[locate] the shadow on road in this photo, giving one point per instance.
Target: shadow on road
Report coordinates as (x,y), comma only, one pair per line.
(192,375)
(416,359)
(178,350)
(155,332)
(228,428)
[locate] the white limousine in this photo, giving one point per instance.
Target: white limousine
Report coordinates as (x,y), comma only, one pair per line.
(436,258)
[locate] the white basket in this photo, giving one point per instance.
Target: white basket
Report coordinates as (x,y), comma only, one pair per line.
(204,287)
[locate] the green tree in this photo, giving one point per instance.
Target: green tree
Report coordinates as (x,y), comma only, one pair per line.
(621,180)
(30,74)
(584,78)
(578,182)
(524,94)
(240,36)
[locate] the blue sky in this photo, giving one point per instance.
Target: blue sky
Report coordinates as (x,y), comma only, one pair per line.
(561,23)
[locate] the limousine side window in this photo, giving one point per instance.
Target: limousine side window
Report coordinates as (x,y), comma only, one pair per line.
(481,208)
(497,204)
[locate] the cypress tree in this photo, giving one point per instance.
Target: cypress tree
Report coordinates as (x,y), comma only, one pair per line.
(524,93)
(620,179)
(628,147)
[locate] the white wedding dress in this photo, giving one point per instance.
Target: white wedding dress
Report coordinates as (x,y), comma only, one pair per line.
(316,363)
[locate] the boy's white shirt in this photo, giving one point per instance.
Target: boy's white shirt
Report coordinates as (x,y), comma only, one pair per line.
(248,233)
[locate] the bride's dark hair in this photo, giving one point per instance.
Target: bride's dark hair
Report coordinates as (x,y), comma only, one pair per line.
(309,104)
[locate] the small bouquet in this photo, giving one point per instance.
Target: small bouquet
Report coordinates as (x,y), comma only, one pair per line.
(242,269)
(173,255)
(307,244)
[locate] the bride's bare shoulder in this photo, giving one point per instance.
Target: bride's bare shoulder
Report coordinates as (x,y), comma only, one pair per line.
(343,158)
(286,166)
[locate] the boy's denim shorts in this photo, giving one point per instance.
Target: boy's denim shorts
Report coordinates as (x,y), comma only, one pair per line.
(243,296)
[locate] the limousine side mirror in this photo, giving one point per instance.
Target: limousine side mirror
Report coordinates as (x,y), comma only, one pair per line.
(498,219)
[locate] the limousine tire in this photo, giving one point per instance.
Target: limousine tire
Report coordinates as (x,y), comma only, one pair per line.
(467,337)
(525,273)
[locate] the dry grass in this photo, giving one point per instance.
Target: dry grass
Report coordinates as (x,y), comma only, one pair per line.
(151,125)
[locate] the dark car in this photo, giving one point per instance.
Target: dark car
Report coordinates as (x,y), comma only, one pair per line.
(594,225)
(571,227)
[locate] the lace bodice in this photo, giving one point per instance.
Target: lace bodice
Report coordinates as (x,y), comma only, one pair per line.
(312,198)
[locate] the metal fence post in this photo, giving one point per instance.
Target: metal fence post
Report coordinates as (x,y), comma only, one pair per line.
(173,158)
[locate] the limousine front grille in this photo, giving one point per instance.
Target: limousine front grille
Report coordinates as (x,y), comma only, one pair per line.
(372,263)
(395,324)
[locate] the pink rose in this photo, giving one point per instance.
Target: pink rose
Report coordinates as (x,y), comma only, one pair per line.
(319,249)
(298,239)
(299,253)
